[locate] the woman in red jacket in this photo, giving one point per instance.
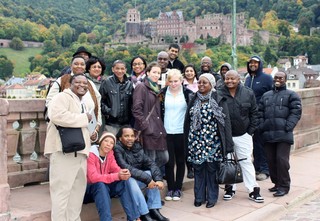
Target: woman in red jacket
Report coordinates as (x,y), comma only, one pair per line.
(106,180)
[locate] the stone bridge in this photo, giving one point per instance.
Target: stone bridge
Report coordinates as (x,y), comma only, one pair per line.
(23,131)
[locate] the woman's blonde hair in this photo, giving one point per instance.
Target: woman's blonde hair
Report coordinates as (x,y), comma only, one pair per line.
(174,72)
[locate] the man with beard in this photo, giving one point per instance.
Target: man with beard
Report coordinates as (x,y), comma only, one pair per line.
(206,65)
(174,62)
(260,83)
(279,110)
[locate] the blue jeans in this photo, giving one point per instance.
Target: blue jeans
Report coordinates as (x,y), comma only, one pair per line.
(259,156)
(153,196)
(101,194)
(206,187)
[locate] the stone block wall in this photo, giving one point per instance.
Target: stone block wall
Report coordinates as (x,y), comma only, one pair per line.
(307,132)
(26,131)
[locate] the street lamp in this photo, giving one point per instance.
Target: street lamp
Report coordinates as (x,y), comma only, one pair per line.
(234,36)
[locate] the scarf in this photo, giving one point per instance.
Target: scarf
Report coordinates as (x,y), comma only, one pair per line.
(154,86)
(216,110)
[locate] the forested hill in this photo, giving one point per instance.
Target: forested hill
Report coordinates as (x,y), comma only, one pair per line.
(84,15)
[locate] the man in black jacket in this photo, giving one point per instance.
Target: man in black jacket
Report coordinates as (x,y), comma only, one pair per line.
(116,98)
(279,110)
(243,114)
(144,173)
(174,62)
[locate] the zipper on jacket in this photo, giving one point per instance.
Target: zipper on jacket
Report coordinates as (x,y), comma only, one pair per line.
(281,102)
(252,78)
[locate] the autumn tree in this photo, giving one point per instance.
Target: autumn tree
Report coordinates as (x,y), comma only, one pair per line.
(253,24)
(270,22)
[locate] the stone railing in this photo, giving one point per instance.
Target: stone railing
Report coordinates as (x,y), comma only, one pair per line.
(26,131)
(307,132)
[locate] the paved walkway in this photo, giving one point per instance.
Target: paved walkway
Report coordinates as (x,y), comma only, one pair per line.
(33,203)
(308,211)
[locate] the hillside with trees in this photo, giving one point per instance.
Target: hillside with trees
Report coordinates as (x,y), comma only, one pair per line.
(64,25)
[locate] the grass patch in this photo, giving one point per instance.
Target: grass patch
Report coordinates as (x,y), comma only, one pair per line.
(20,59)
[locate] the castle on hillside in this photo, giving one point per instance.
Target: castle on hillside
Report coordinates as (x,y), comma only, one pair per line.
(172,26)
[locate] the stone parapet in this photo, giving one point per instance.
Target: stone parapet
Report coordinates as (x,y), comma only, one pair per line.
(307,132)
(26,131)
(4,186)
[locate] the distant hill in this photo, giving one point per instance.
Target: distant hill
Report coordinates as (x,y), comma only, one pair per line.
(20,59)
(85,15)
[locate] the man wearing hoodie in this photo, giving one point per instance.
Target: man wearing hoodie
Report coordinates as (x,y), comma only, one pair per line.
(260,83)
(223,70)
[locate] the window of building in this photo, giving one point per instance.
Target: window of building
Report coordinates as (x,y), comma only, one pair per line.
(293,84)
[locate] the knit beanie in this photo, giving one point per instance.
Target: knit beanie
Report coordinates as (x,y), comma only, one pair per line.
(105,135)
(210,78)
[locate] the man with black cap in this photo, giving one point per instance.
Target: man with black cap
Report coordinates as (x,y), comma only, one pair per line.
(260,83)
(83,52)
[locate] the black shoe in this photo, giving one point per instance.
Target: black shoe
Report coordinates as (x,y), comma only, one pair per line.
(280,193)
(190,174)
(155,214)
(210,205)
(146,217)
(273,189)
(197,204)
(255,195)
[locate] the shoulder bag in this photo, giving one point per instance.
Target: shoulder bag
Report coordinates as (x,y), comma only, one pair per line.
(72,139)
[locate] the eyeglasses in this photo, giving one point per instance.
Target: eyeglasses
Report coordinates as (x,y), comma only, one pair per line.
(137,64)
(164,59)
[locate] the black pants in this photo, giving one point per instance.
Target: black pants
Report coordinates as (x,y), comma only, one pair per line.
(259,156)
(278,155)
(177,154)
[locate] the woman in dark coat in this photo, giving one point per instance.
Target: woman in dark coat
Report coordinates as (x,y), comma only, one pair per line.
(208,130)
(147,115)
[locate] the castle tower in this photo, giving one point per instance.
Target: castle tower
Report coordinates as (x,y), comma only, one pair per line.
(133,22)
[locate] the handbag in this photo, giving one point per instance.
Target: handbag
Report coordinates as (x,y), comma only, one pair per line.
(229,171)
(72,139)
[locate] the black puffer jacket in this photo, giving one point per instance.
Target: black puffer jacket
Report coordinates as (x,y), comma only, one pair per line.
(279,112)
(116,100)
(224,131)
(137,162)
(243,110)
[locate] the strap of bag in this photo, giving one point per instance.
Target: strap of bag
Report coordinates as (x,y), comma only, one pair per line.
(147,118)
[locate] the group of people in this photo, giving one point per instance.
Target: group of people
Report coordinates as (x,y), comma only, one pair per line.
(162,118)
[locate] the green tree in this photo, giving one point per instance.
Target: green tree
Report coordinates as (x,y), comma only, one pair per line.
(283,28)
(16,44)
(268,56)
(6,67)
